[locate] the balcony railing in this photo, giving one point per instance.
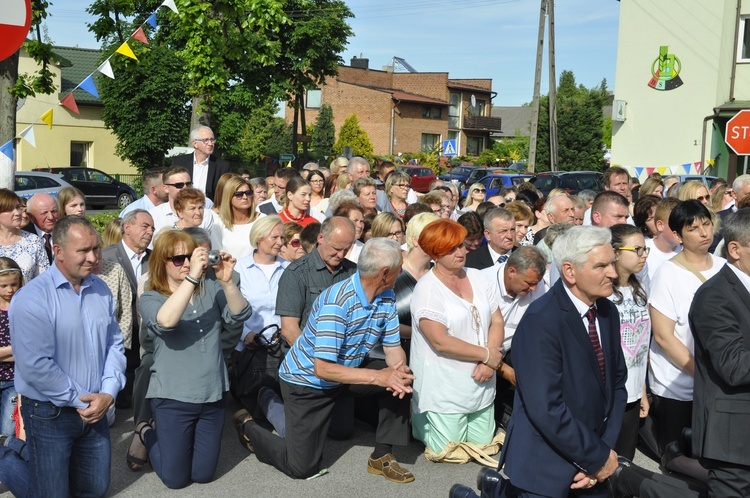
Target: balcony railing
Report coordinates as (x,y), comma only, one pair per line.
(482,123)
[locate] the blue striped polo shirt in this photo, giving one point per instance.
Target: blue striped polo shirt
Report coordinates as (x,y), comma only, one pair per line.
(343,327)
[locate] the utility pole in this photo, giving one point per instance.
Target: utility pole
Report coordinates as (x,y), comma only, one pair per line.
(553,157)
(537,84)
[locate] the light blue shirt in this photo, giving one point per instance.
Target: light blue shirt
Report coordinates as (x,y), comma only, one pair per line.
(261,292)
(66,344)
(142,203)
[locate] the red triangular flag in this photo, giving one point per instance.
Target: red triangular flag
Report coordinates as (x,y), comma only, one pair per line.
(69,102)
(140,35)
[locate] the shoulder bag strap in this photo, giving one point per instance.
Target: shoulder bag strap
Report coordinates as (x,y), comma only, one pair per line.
(680,260)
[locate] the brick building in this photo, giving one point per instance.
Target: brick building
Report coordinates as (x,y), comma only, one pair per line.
(407,112)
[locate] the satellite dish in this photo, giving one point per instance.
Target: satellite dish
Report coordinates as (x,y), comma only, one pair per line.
(473,101)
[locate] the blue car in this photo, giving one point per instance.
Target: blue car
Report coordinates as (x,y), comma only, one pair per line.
(493,183)
(458,174)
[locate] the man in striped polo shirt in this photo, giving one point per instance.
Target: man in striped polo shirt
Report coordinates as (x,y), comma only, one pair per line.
(329,361)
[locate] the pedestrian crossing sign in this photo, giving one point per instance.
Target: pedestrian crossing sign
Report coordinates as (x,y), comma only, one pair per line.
(449,148)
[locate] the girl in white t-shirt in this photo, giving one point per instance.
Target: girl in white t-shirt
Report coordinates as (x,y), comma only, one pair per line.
(635,329)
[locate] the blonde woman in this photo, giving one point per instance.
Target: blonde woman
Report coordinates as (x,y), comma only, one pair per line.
(476,195)
(231,230)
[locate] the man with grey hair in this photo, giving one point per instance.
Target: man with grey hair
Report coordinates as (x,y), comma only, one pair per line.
(519,283)
(500,232)
(330,361)
(559,209)
(203,166)
(570,376)
(741,188)
(358,168)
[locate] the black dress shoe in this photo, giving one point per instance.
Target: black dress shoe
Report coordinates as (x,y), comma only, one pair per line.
(461,491)
(671,451)
(488,482)
(613,480)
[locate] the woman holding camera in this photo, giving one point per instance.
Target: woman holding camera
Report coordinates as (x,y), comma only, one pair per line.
(184,312)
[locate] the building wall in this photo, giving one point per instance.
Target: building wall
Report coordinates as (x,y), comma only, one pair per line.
(664,128)
(433,85)
(410,125)
(53,145)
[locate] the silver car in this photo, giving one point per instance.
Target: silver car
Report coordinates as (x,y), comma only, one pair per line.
(28,183)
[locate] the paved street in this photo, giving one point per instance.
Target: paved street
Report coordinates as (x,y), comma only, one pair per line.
(240,474)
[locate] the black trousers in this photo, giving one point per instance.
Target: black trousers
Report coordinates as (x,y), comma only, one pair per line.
(727,480)
(504,395)
(142,406)
(308,417)
(628,438)
(671,417)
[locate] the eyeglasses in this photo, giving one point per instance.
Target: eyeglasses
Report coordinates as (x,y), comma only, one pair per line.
(398,233)
(706,198)
(402,185)
(638,250)
(179,259)
(206,140)
(296,243)
(480,190)
(510,199)
(180,185)
(729,192)
(242,193)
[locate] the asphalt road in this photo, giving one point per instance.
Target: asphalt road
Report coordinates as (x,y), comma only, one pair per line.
(240,474)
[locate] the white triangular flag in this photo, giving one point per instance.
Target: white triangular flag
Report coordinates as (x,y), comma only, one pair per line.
(28,135)
(170,4)
(106,69)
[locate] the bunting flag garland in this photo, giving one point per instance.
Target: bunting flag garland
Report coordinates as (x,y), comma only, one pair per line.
(126,51)
(7,149)
(89,85)
(140,35)
(106,69)
(28,135)
(47,118)
(152,20)
(694,168)
(171,5)
(69,102)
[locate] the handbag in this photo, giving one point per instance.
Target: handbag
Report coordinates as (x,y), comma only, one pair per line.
(256,367)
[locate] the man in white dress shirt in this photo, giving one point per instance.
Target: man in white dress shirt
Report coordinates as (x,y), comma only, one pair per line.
(175,179)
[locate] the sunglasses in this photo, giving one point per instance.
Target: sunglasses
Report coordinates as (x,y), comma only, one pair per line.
(480,190)
(243,193)
(704,198)
(180,185)
(295,243)
(638,250)
(179,259)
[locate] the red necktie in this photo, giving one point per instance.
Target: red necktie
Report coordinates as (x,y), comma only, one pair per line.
(594,338)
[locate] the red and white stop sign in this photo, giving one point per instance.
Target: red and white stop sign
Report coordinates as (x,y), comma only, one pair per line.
(737,134)
(15,21)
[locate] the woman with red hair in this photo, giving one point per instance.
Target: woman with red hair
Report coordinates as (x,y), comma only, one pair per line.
(457,333)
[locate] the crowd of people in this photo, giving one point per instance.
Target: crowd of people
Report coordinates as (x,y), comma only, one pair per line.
(505,318)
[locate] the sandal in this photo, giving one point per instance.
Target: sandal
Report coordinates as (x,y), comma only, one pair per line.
(240,418)
(137,455)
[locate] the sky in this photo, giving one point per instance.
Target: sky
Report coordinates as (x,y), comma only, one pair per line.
(494,39)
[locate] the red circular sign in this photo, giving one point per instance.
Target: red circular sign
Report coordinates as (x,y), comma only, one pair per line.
(15,21)
(737,134)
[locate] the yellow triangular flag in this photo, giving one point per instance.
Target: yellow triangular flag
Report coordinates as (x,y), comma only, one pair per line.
(126,51)
(47,118)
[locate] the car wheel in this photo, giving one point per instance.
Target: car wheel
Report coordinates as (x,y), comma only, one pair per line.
(124,199)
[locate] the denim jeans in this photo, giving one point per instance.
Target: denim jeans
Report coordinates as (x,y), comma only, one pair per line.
(67,456)
(14,467)
(7,406)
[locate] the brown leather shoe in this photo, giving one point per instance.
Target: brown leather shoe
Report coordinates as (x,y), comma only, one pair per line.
(240,418)
(388,467)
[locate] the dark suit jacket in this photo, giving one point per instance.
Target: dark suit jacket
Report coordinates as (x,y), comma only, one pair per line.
(216,168)
(720,322)
(116,253)
(32,229)
(565,417)
(480,258)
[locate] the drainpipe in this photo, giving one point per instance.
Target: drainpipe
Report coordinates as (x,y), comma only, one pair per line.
(393,121)
(734,51)
(708,118)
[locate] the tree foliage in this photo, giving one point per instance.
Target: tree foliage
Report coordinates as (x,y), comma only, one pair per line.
(580,125)
(324,133)
(352,135)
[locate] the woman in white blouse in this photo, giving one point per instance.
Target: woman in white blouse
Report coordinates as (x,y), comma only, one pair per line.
(231,229)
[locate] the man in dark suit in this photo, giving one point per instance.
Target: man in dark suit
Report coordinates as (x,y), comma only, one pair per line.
(720,322)
(42,209)
(570,376)
(500,231)
(204,168)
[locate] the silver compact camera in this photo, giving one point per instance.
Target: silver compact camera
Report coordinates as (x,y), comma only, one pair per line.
(214,257)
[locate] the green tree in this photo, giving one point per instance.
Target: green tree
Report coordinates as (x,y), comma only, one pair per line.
(258,133)
(324,134)
(281,138)
(580,126)
(351,135)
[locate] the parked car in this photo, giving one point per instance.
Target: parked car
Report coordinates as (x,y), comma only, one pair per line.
(421,177)
(570,181)
(493,183)
(28,183)
(100,188)
(697,178)
(458,174)
(480,173)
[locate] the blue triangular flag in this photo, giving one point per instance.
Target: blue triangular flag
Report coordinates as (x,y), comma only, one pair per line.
(89,85)
(638,172)
(152,20)
(7,149)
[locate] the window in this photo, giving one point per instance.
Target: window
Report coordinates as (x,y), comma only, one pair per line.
(430,141)
(474,145)
(432,112)
(481,108)
(743,40)
(99,177)
(312,99)
(79,153)
(454,111)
